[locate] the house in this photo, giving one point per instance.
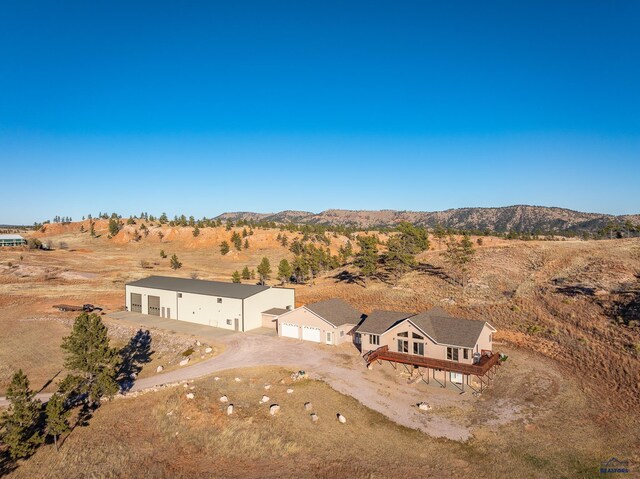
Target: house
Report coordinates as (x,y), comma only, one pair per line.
(331,322)
(453,347)
(233,306)
(12,240)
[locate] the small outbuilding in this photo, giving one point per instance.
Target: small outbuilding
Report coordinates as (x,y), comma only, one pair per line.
(12,240)
(331,322)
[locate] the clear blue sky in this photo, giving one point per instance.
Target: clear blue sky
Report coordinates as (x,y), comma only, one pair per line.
(263,106)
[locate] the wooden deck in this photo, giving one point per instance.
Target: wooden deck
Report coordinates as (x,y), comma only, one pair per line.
(480,369)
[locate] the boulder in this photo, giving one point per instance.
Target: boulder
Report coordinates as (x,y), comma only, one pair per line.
(424,406)
(341,418)
(184,362)
(229,409)
(237,380)
(289,391)
(267,387)
(132,375)
(308,406)
(273,410)
(314,417)
(224,398)
(264,399)
(208,350)
(159,369)
(198,343)
(216,378)
(190,395)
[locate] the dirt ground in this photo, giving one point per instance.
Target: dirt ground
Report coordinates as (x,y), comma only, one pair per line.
(568,398)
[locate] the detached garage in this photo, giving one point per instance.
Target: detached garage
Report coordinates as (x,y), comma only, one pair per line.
(239,307)
(328,322)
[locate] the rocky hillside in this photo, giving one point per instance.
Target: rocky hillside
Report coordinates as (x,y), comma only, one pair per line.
(520,218)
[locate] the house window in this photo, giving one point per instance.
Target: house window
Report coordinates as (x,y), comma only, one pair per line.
(403,346)
(356,338)
(404,335)
(374,339)
(219,300)
(341,333)
(416,336)
(418,349)
(328,337)
(465,353)
(490,337)
(229,322)
(452,354)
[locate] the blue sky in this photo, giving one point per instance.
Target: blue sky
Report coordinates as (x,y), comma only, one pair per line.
(201,108)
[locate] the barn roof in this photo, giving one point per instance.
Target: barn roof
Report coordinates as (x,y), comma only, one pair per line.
(199,286)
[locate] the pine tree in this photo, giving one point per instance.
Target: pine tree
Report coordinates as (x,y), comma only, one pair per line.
(366,260)
(235,277)
(175,263)
(19,424)
(284,271)
(244,232)
(245,273)
(114,226)
(92,228)
(398,258)
(264,270)
(246,244)
(459,254)
(57,417)
(224,248)
(196,231)
(163,254)
(253,274)
(92,363)
(236,240)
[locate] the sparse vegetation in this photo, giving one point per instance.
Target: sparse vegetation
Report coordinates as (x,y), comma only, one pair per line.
(175,262)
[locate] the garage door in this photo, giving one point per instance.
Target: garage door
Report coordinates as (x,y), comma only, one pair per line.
(136,302)
(290,330)
(311,334)
(154,305)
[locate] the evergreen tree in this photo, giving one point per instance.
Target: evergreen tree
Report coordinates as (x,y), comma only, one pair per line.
(92,363)
(163,219)
(163,254)
(245,273)
(19,425)
(264,270)
(284,271)
(284,241)
(92,228)
(114,226)
(244,232)
(57,417)
(235,277)
(366,260)
(224,248)
(236,240)
(246,244)
(253,274)
(398,259)
(459,254)
(440,233)
(175,263)
(196,231)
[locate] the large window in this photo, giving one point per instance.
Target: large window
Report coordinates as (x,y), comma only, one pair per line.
(418,349)
(403,346)
(374,339)
(465,353)
(416,336)
(452,354)
(403,335)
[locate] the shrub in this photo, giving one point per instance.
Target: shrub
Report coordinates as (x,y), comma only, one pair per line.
(188,352)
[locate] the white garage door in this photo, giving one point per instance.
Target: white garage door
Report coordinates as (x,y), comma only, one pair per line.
(311,334)
(289,330)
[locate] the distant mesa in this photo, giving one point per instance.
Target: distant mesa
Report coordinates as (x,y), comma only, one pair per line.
(521,218)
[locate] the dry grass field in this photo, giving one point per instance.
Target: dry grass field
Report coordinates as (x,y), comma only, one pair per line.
(567,310)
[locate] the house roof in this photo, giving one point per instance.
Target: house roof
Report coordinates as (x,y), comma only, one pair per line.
(275,311)
(335,311)
(435,323)
(446,329)
(11,237)
(199,286)
(379,321)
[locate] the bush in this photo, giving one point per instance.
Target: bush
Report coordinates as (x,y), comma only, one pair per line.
(188,352)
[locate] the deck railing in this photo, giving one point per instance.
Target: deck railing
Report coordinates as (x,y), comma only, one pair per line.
(485,363)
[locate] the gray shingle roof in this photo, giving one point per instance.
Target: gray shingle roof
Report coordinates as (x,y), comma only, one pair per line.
(336,311)
(275,311)
(437,323)
(446,329)
(379,321)
(199,286)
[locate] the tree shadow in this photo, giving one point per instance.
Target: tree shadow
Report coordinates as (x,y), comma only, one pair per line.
(575,290)
(82,420)
(437,272)
(134,356)
(49,382)
(349,278)
(6,464)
